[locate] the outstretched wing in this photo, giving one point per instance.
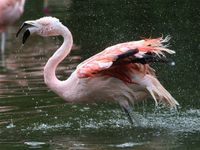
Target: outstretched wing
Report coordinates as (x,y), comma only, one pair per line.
(119,60)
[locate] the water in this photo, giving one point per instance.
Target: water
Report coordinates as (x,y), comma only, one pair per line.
(32,117)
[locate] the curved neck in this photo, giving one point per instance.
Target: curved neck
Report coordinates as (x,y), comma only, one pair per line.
(50,67)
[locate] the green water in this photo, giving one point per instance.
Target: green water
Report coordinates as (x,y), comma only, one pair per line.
(32,117)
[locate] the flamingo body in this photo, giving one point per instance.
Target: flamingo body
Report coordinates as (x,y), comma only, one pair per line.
(10,11)
(120,73)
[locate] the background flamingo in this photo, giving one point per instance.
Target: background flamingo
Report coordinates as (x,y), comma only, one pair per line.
(45,7)
(120,73)
(10,11)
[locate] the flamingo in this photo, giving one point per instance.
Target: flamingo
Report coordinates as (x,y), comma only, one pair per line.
(120,73)
(10,11)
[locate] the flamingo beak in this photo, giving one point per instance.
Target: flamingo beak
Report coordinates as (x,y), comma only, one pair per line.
(27,33)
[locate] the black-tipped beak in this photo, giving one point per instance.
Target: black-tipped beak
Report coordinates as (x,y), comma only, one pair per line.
(25,36)
(26,33)
(20,29)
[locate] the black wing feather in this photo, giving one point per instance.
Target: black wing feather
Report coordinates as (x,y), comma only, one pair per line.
(129,57)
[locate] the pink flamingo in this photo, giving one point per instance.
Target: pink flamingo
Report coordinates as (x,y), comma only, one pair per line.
(10,11)
(119,73)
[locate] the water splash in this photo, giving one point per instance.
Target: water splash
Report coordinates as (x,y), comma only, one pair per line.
(11,125)
(34,144)
(127,145)
(184,121)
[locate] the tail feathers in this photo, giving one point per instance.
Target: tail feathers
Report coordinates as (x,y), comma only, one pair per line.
(159,93)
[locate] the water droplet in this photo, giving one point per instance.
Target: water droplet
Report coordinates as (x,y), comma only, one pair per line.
(172,63)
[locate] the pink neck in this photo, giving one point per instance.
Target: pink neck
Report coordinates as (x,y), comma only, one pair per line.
(50,68)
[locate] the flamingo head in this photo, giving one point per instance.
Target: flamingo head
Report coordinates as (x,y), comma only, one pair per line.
(46,26)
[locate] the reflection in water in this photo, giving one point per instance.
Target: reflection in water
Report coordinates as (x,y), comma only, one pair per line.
(6,108)
(32,115)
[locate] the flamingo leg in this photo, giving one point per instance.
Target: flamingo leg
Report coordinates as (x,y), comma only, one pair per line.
(132,117)
(127,112)
(3,42)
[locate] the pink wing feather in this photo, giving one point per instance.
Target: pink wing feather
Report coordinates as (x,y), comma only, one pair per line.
(103,63)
